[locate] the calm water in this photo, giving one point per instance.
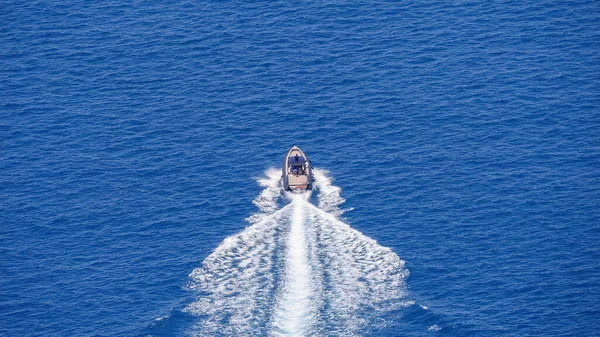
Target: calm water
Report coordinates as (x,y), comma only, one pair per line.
(465,136)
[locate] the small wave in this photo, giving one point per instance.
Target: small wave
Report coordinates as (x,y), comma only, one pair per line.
(434,327)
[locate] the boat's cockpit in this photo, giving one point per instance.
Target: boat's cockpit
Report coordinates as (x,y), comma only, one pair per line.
(297,165)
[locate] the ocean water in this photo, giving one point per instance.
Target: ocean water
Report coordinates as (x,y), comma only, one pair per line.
(457,147)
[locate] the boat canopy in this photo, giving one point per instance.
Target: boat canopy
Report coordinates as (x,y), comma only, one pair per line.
(297,161)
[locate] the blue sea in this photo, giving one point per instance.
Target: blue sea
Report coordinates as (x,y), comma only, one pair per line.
(456,147)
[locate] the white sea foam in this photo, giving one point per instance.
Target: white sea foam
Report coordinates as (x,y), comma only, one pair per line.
(330,197)
(267,199)
(295,312)
(296,271)
(434,327)
(237,279)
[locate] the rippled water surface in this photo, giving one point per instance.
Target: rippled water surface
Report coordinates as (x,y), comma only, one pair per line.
(137,142)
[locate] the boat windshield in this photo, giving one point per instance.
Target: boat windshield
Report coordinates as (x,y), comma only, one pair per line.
(297,160)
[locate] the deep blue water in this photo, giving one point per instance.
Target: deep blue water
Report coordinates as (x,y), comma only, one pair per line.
(465,136)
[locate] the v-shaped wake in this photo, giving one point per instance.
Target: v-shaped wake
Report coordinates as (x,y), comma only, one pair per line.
(297,270)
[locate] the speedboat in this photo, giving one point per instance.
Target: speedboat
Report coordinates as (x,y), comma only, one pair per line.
(297,172)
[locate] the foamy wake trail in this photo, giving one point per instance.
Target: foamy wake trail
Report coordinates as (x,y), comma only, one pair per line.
(296,308)
(297,271)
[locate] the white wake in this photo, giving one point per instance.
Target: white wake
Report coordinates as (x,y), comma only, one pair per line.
(297,270)
(295,312)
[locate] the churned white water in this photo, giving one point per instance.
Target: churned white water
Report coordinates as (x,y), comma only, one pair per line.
(294,312)
(297,270)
